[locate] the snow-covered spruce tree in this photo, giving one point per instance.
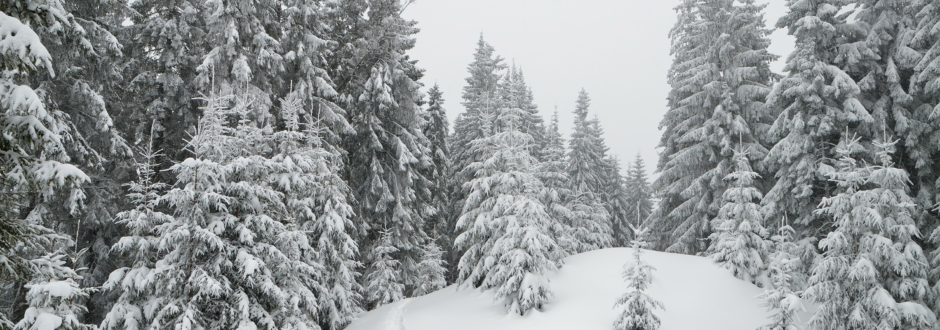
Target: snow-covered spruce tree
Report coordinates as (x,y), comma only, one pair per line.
(639,202)
(315,196)
(54,297)
(613,197)
(242,53)
(140,247)
(813,105)
(383,282)
(719,78)
(505,230)
(586,164)
(431,270)
(922,141)
(918,124)
(514,93)
(784,270)
(618,204)
(388,153)
(305,61)
(553,172)
(33,162)
(878,56)
(83,95)
(166,47)
(481,101)
(588,171)
(480,96)
(225,261)
(635,306)
(872,274)
(739,240)
(437,130)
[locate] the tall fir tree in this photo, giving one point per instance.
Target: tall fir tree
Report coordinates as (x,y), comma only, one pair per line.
(918,123)
(613,197)
(639,203)
(618,203)
(78,36)
(872,273)
(514,93)
(34,171)
(481,100)
(388,152)
(437,131)
(230,258)
(139,248)
(813,105)
(553,172)
(505,229)
(719,78)
(588,172)
(442,228)
(316,199)
(163,52)
(81,37)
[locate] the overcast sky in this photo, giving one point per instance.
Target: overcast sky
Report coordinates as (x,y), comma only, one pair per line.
(617,50)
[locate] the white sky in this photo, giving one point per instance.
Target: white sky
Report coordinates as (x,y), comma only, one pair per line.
(617,50)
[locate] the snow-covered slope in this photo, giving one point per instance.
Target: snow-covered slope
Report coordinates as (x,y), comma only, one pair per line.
(697,294)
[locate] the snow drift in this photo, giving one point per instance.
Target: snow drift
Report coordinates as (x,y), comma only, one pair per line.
(696,293)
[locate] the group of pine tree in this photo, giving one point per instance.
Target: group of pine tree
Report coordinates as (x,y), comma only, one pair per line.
(819,183)
(274,164)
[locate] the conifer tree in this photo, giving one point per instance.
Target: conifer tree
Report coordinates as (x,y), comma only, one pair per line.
(586,165)
(505,228)
(619,204)
(54,297)
(639,202)
(227,262)
(588,172)
(81,38)
(719,78)
(738,239)
(316,200)
(515,93)
(557,197)
(388,152)
(34,164)
(383,282)
(481,100)
(437,132)
(165,49)
(872,273)
(140,247)
(635,306)
(431,270)
(613,198)
(813,105)
(782,296)
(918,121)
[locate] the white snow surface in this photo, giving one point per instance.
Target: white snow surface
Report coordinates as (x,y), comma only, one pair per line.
(696,294)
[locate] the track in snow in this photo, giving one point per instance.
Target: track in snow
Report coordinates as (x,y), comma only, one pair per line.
(395,319)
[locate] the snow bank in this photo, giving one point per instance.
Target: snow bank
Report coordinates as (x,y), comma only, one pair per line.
(697,294)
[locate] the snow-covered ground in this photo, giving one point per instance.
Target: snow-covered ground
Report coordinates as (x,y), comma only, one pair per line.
(697,294)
